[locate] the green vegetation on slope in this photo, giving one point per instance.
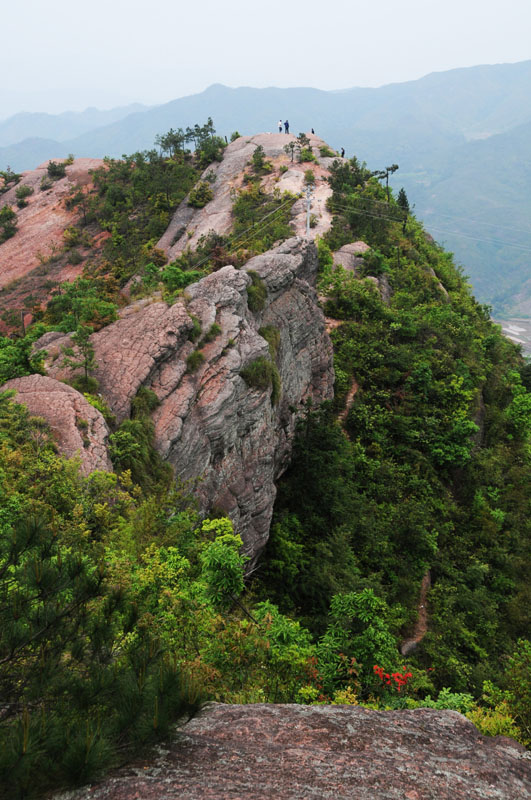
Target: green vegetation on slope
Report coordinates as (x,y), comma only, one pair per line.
(434,470)
(120,607)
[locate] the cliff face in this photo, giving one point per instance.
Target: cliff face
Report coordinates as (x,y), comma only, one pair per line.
(342,752)
(210,423)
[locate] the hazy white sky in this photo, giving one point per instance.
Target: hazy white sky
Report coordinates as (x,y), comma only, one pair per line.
(67,54)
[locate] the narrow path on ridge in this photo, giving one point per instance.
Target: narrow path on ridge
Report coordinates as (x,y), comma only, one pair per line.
(421,625)
(351,394)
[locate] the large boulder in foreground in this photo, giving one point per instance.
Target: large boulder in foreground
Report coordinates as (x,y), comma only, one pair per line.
(78,428)
(291,752)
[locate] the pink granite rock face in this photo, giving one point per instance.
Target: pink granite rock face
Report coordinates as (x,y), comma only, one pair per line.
(210,424)
(189,224)
(290,752)
(42,221)
(78,428)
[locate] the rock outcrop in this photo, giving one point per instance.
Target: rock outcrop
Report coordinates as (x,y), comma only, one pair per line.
(33,261)
(350,256)
(210,423)
(43,220)
(78,428)
(294,752)
(189,224)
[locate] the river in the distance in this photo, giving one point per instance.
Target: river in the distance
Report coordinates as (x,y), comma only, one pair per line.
(518,330)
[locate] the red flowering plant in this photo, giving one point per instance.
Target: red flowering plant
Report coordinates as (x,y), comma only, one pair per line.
(391,683)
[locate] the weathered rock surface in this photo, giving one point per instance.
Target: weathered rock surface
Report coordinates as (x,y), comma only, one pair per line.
(42,222)
(189,224)
(210,423)
(350,256)
(294,752)
(78,427)
(26,267)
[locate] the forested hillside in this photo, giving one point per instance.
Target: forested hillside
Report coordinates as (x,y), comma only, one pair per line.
(122,607)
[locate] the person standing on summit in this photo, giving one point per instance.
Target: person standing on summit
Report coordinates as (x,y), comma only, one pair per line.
(280,126)
(286,126)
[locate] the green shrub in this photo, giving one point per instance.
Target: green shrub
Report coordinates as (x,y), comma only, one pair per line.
(85,384)
(262,374)
(102,407)
(258,158)
(21,192)
(211,334)
(71,236)
(256,292)
(195,332)
(8,179)
(175,278)
(55,170)
(306,154)
(131,448)
(260,165)
(282,169)
(200,195)
(45,183)
(272,337)
(234,135)
(309,177)
(8,223)
(325,152)
(75,257)
(144,403)
(374,263)
(194,360)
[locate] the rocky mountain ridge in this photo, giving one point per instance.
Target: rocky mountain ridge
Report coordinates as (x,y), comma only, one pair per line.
(460,138)
(210,423)
(226,178)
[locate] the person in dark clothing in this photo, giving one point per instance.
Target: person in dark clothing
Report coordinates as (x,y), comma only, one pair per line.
(313,131)
(286,126)
(342,152)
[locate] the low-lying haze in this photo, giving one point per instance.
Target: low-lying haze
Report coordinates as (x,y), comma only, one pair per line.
(61,55)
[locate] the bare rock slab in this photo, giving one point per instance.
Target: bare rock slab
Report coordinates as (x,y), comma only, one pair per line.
(293,752)
(78,428)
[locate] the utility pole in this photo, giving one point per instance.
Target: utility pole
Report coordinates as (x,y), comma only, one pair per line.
(309,195)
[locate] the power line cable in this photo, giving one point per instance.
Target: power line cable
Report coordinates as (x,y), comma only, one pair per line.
(254,227)
(481,222)
(363,212)
(469,219)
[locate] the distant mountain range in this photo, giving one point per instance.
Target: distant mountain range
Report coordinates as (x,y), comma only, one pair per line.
(61,127)
(461,138)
